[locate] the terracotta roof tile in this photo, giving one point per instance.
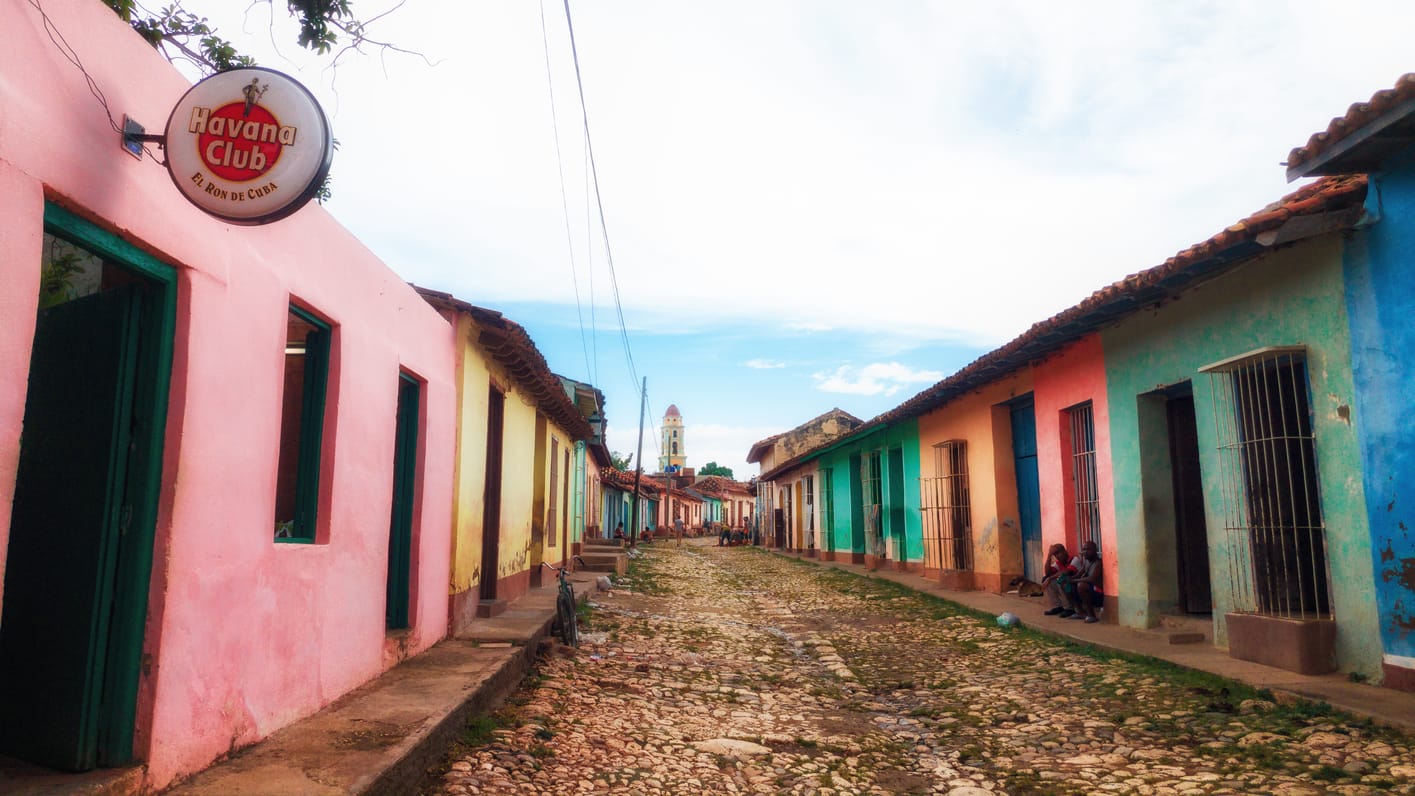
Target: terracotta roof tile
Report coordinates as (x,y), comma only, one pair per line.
(512,346)
(1335,200)
(1357,117)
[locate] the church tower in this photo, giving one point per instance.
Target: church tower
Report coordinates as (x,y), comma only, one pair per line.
(674,452)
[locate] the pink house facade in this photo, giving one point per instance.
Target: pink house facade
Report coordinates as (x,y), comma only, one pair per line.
(257,426)
(1073,454)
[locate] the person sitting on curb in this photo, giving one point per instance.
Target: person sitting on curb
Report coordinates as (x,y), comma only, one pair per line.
(1060,568)
(1087,593)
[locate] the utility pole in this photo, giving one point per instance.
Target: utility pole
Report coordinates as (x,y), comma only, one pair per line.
(639,469)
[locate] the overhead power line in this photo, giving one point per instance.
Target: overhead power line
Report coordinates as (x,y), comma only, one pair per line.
(599,200)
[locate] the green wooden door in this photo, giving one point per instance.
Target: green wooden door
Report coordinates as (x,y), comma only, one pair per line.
(68,517)
(400,529)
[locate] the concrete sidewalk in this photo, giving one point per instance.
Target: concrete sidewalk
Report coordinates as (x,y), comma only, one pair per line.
(1383,705)
(383,737)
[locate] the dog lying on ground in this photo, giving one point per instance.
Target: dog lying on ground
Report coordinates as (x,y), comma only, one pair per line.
(1022,587)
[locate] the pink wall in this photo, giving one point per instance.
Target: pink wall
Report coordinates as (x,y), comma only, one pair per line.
(1072,377)
(244,635)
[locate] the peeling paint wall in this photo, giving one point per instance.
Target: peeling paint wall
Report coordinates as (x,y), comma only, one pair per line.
(1069,378)
(1380,297)
(243,635)
(847,509)
(981,419)
(1288,297)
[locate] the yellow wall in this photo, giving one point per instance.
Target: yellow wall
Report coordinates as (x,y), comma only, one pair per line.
(476,372)
(992,480)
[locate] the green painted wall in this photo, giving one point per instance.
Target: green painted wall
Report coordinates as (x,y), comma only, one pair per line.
(1291,297)
(903,437)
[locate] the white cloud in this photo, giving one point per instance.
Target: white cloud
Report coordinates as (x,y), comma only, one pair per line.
(764,364)
(908,169)
(878,378)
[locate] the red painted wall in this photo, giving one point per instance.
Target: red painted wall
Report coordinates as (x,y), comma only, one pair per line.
(1072,377)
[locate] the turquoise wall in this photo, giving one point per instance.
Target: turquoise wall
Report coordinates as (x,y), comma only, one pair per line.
(1291,297)
(903,437)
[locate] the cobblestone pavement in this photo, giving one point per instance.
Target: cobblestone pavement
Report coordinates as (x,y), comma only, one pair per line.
(735,671)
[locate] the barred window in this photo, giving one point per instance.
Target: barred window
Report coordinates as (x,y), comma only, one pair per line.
(1271,492)
(946,514)
(872,498)
(1085,488)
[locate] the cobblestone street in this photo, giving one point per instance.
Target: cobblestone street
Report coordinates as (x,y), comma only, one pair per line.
(737,671)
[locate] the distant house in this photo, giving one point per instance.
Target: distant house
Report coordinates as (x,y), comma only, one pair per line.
(520,437)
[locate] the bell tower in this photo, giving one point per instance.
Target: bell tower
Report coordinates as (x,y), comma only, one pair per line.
(674,451)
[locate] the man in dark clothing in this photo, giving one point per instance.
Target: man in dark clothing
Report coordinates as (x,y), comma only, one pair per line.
(1088,585)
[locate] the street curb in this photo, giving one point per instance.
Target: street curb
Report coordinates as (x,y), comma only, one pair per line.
(407,776)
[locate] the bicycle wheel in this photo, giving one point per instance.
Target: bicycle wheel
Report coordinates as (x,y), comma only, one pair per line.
(565,613)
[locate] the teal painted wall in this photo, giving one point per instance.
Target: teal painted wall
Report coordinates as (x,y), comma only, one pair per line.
(1291,297)
(849,518)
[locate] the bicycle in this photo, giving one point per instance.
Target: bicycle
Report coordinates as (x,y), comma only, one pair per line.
(566,624)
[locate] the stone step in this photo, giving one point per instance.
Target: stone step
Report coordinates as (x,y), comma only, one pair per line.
(1174,629)
(618,563)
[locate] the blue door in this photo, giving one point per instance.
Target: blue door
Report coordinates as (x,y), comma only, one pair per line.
(1029,493)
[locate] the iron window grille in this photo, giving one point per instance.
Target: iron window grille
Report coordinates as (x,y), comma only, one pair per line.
(945,509)
(1085,487)
(808,485)
(870,483)
(1271,492)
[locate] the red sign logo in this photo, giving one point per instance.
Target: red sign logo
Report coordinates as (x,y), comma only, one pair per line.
(238,142)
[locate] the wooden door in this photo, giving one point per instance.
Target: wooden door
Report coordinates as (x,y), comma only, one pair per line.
(1029,493)
(68,518)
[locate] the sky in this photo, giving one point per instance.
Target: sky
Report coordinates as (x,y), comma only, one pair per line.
(811,204)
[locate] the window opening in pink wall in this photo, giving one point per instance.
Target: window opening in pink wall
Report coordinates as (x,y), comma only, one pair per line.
(301,426)
(1085,486)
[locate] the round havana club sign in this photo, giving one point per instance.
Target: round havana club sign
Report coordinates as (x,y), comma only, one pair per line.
(249,146)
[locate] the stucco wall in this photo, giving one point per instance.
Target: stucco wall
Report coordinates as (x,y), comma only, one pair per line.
(244,635)
(903,437)
(1071,377)
(1288,297)
(992,479)
(1380,295)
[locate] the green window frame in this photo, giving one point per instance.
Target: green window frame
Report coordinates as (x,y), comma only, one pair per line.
(304,467)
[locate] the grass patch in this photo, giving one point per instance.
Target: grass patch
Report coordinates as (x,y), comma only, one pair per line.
(478,729)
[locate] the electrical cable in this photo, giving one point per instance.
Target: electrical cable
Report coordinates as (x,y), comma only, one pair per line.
(564,198)
(599,199)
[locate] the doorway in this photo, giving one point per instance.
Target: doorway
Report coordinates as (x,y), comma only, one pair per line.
(85,506)
(1029,493)
(491,503)
(400,527)
(1190,526)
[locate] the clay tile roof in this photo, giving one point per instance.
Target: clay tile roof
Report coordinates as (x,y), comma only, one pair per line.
(508,342)
(1327,205)
(672,411)
(1357,142)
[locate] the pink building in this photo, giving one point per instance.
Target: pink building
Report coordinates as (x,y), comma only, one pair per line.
(231,500)
(1073,455)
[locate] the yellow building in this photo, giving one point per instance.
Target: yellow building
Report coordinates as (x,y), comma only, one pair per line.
(516,460)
